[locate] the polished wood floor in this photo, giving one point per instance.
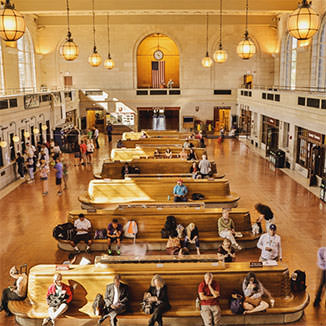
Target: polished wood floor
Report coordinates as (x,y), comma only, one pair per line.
(27,218)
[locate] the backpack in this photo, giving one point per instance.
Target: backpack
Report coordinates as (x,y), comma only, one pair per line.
(169,226)
(236,302)
(298,281)
(98,305)
(100,234)
(197,196)
(130,229)
(64,231)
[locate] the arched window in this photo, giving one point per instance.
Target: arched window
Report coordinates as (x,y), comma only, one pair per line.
(288,62)
(26,62)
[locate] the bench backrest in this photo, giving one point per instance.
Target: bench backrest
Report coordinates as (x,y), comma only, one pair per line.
(149,166)
(182,280)
(147,190)
(152,220)
(157,141)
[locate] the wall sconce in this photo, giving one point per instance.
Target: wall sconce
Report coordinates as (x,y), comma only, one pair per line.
(3,143)
(36,130)
(26,132)
(15,138)
(44,126)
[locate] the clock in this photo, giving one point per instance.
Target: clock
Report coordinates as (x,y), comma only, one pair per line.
(158,55)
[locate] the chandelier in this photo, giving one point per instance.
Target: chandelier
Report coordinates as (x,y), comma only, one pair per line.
(109,63)
(94,59)
(207,61)
(220,56)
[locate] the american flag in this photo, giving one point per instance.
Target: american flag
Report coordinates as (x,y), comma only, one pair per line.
(158,73)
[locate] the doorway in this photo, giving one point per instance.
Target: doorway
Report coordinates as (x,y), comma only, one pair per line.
(222,116)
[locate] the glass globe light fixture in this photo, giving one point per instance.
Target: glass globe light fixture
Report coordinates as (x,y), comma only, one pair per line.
(109,63)
(26,134)
(12,23)
(304,22)
(36,131)
(220,56)
(15,139)
(3,144)
(94,59)
(246,48)
(44,127)
(207,61)
(69,49)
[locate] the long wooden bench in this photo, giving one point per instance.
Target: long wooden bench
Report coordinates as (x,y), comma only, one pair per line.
(110,193)
(168,133)
(150,221)
(182,280)
(129,154)
(155,142)
(159,167)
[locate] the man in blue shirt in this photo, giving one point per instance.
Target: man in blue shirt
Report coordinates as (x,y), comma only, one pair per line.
(180,191)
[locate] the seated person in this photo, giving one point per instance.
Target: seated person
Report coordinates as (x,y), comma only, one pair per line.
(157,296)
(192,237)
(71,259)
(226,228)
(225,252)
(180,191)
(270,245)
(116,301)
(58,297)
(16,292)
(192,155)
(253,291)
(168,153)
(144,134)
(173,246)
(114,235)
(204,166)
(156,153)
(83,233)
(186,144)
(183,154)
(195,171)
(126,169)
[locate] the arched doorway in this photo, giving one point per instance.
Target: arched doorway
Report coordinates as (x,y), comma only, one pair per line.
(157,62)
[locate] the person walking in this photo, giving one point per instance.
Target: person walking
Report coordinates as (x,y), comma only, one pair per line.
(95,135)
(322,266)
(65,174)
(20,164)
(209,292)
(44,173)
(30,168)
(89,151)
(83,150)
(109,129)
(58,175)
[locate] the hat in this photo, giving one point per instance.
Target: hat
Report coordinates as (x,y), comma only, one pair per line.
(179,180)
(272,227)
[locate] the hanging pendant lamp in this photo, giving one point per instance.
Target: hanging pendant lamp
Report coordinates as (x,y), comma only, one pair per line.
(69,49)
(246,48)
(207,61)
(220,56)
(109,63)
(12,23)
(304,22)
(94,59)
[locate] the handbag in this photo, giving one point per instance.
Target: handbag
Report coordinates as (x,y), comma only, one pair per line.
(253,301)
(173,250)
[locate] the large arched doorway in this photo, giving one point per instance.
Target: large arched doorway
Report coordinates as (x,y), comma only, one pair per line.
(157,62)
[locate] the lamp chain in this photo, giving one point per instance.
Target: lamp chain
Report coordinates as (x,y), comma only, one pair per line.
(246,16)
(93,23)
(220,23)
(108,22)
(68,19)
(207,32)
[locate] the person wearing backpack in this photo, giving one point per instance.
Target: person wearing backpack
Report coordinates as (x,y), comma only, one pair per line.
(322,265)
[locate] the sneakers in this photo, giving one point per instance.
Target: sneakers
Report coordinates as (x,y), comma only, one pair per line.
(110,252)
(118,252)
(88,249)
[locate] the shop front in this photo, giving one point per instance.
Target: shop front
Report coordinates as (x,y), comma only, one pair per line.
(245,120)
(311,152)
(270,133)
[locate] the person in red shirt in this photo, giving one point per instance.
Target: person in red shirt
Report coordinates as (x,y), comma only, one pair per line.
(83,150)
(209,292)
(58,297)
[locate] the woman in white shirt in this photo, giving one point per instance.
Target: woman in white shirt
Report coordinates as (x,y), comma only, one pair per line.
(89,151)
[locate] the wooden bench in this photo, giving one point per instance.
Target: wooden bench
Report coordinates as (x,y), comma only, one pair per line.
(110,193)
(155,142)
(182,280)
(156,167)
(150,221)
(168,133)
(129,154)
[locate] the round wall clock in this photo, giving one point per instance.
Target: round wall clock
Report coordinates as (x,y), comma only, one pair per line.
(158,55)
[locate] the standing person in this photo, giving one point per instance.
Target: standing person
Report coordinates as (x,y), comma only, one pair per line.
(89,133)
(89,150)
(83,150)
(77,155)
(95,135)
(204,166)
(44,173)
(270,245)
(209,292)
(83,233)
(30,168)
(116,300)
(322,265)
(180,191)
(226,228)
(157,295)
(58,175)
(21,165)
(114,235)
(61,292)
(265,213)
(65,174)
(16,292)
(109,130)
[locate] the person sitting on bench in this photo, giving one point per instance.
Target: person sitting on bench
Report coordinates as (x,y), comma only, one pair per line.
(126,169)
(58,297)
(17,292)
(225,252)
(192,155)
(180,191)
(83,233)
(116,300)
(168,153)
(114,235)
(253,291)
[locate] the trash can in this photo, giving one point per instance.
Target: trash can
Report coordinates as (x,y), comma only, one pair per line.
(323,190)
(280,159)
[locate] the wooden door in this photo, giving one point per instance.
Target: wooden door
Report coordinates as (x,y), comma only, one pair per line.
(90,119)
